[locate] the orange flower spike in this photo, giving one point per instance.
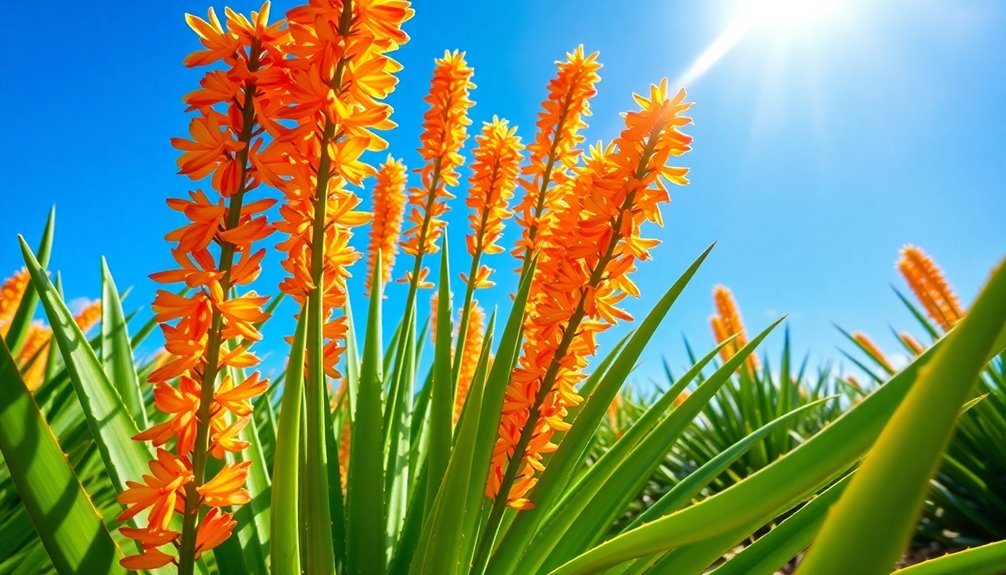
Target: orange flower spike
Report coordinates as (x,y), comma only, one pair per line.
(930,286)
(727,322)
(214,252)
(873,350)
(471,353)
(590,248)
(554,152)
(386,227)
(495,163)
(444,133)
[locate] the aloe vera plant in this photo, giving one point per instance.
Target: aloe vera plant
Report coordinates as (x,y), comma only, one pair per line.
(359,458)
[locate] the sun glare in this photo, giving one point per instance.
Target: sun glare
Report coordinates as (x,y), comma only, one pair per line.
(785,14)
(784,19)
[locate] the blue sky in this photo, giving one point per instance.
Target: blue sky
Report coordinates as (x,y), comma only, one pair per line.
(820,149)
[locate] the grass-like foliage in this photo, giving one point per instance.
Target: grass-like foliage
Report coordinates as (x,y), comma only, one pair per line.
(355,459)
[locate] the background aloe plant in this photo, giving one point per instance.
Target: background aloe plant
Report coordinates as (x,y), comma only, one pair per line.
(687,526)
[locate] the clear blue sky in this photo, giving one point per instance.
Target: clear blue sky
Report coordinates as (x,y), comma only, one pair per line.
(818,151)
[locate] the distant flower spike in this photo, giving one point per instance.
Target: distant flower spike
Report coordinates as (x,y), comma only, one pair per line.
(10,297)
(445,129)
(389,211)
(873,350)
(494,178)
(911,343)
(727,322)
(930,286)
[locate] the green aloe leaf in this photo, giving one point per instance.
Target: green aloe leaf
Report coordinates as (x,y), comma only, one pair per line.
(107,416)
(869,527)
(774,549)
(116,351)
(67,522)
(365,512)
(285,536)
(984,560)
(19,324)
(585,516)
(442,396)
(770,490)
(448,535)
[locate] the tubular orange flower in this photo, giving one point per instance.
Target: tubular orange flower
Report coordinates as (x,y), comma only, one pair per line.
(873,350)
(727,322)
(444,133)
(930,286)
(911,343)
(10,297)
(555,152)
(389,210)
(226,136)
(582,276)
(471,353)
(494,178)
(159,491)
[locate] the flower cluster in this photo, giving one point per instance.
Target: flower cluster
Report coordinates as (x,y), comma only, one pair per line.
(555,151)
(33,358)
(336,77)
(32,355)
(727,322)
(210,329)
(495,163)
(445,129)
(581,277)
(389,210)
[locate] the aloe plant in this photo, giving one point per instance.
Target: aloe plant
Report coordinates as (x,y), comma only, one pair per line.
(233,473)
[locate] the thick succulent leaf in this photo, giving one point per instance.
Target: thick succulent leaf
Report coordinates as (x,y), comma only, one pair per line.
(772,489)
(984,560)
(25,312)
(869,527)
(365,508)
(116,351)
(67,522)
(108,418)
